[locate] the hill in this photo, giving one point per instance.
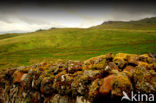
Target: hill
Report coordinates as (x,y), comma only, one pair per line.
(143,24)
(75,44)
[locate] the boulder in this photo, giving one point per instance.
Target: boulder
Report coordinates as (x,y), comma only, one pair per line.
(121,83)
(17,76)
(144,80)
(63,99)
(113,66)
(80,84)
(47,85)
(74,66)
(130,69)
(63,84)
(94,89)
(146,58)
(120,59)
(81,99)
(152,66)
(143,64)
(107,84)
(98,62)
(27,81)
(132,59)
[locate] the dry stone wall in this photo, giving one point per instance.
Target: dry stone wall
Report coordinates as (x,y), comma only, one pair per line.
(99,79)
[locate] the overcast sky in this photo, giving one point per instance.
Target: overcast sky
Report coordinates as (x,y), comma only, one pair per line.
(26,17)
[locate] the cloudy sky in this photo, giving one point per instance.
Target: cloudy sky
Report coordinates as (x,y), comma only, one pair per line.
(27,17)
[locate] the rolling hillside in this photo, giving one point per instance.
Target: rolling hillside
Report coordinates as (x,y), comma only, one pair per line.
(78,44)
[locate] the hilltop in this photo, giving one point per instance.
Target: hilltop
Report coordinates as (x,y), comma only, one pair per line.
(143,24)
(78,44)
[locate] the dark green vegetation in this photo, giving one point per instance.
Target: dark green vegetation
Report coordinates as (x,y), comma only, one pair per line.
(77,44)
(8,36)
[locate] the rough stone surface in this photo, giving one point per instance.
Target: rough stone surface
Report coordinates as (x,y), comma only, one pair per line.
(107,85)
(98,79)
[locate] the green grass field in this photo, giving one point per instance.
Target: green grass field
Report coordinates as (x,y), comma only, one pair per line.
(73,43)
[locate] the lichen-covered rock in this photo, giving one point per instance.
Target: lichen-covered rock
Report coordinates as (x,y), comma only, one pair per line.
(8,75)
(77,73)
(79,85)
(63,99)
(60,66)
(152,66)
(36,82)
(97,79)
(113,66)
(27,82)
(143,64)
(1,95)
(74,66)
(144,80)
(2,80)
(153,56)
(121,83)
(107,84)
(55,98)
(46,85)
(120,59)
(145,58)
(17,76)
(130,69)
(94,89)
(63,84)
(36,97)
(97,62)
(132,59)
(93,74)
(81,99)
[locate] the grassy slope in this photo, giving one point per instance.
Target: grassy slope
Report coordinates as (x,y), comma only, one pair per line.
(76,44)
(8,36)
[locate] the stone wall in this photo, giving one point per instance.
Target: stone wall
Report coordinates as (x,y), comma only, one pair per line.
(99,79)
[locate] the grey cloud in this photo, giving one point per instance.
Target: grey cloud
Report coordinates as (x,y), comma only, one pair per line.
(12,15)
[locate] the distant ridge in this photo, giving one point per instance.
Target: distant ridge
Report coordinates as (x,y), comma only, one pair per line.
(146,23)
